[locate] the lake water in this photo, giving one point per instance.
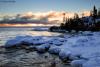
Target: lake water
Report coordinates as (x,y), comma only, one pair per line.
(22,58)
(9,33)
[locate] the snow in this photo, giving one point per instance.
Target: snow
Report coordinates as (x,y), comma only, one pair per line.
(98,20)
(54,50)
(63,54)
(43,48)
(29,40)
(77,63)
(82,48)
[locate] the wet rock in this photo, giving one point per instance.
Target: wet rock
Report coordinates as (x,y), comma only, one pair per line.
(10,64)
(53,64)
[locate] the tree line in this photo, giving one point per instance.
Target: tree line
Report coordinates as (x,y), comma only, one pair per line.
(85,23)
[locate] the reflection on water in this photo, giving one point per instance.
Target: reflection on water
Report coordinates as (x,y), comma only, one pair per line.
(9,33)
(22,58)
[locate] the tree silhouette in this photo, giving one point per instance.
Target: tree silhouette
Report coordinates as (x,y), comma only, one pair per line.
(76,16)
(99,13)
(79,24)
(62,25)
(94,13)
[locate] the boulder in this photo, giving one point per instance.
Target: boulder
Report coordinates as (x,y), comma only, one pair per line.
(77,63)
(54,50)
(42,48)
(65,56)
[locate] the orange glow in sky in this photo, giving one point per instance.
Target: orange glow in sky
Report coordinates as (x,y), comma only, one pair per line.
(22,25)
(51,16)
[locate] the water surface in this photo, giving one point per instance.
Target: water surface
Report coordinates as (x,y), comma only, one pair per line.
(9,33)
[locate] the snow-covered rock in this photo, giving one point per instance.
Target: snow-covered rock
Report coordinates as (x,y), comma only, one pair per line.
(42,48)
(54,50)
(64,55)
(24,40)
(75,56)
(11,43)
(77,63)
(75,48)
(98,20)
(56,41)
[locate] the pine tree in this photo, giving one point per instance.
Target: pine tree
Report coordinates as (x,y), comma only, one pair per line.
(64,19)
(91,13)
(99,12)
(94,13)
(62,25)
(76,16)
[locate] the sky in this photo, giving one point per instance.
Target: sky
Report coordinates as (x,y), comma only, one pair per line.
(22,6)
(47,10)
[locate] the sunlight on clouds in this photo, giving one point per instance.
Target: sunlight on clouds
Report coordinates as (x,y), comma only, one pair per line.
(29,13)
(86,13)
(51,17)
(22,25)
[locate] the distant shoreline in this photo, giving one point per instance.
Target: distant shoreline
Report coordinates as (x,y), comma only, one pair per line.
(21,26)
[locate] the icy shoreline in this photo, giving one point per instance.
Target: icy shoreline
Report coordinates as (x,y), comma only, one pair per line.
(82,48)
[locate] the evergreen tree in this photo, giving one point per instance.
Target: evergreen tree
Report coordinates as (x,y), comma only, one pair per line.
(94,13)
(76,16)
(62,25)
(91,13)
(99,12)
(82,15)
(64,19)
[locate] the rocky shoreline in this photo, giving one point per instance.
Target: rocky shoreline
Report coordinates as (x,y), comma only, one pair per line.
(76,50)
(24,58)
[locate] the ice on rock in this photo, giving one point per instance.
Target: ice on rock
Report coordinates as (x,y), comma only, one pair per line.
(17,41)
(69,56)
(70,48)
(42,48)
(86,33)
(82,40)
(11,43)
(56,41)
(37,40)
(24,40)
(75,56)
(54,50)
(77,63)
(93,62)
(64,55)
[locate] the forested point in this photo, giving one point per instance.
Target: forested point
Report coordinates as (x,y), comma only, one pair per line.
(85,23)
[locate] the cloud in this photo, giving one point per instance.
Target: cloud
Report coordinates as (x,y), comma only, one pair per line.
(86,13)
(53,17)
